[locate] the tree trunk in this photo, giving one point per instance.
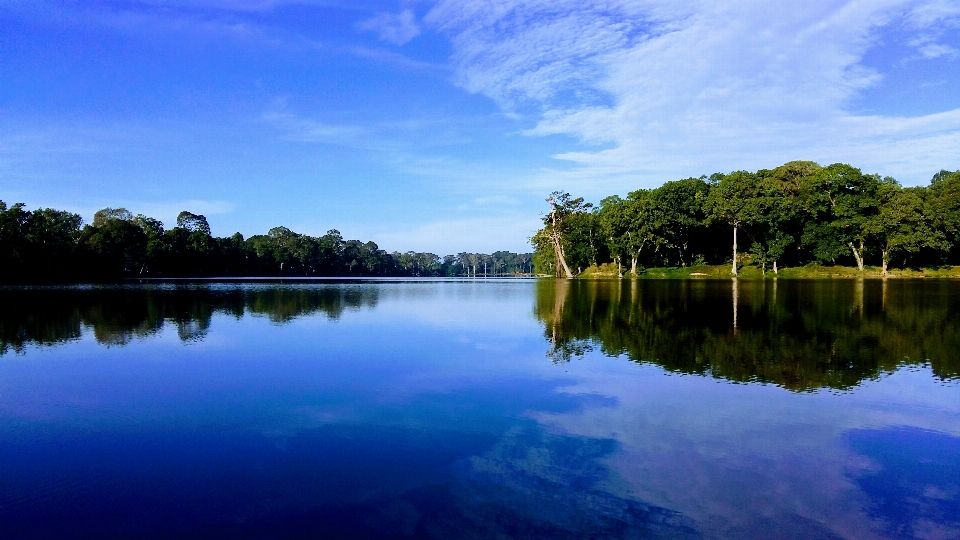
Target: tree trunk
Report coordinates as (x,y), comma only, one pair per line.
(858,255)
(775,267)
(885,257)
(561,259)
(633,264)
(734,250)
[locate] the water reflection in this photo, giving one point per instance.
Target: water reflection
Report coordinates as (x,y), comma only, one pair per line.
(801,335)
(427,410)
(117,315)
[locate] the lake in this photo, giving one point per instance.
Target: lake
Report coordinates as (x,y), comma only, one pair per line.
(481,409)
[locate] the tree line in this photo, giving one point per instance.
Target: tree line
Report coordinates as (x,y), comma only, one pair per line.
(793,215)
(55,245)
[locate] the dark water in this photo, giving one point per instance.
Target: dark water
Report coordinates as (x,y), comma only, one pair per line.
(488,409)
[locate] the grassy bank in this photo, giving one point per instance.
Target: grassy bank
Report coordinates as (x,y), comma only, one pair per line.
(607,271)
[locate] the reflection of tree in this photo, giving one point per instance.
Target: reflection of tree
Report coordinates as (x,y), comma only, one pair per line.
(285,304)
(118,315)
(35,321)
(797,334)
(563,348)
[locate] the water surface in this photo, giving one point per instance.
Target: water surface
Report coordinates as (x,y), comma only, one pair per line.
(479,409)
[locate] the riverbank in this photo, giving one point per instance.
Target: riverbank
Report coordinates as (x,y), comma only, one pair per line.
(608,271)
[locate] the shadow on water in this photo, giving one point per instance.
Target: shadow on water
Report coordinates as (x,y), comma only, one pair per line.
(117,315)
(801,335)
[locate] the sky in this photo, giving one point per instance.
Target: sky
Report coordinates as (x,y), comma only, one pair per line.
(443,125)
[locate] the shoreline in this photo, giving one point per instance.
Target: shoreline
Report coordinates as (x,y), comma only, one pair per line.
(752,272)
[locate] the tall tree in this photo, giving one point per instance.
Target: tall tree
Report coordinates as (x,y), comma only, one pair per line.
(775,211)
(795,182)
(844,201)
(645,226)
(680,208)
(899,225)
(943,205)
(613,219)
(733,199)
(559,223)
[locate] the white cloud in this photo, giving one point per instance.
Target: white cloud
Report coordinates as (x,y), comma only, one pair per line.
(673,90)
(393,28)
(934,50)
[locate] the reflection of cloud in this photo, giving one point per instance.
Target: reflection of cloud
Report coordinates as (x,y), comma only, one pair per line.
(742,458)
(530,485)
(916,487)
(394,28)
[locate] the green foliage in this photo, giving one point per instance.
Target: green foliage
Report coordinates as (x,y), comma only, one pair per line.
(50,245)
(569,229)
(793,215)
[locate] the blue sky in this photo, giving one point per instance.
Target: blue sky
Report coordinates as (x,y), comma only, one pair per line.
(442,125)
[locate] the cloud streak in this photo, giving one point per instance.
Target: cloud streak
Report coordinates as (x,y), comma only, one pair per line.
(393,28)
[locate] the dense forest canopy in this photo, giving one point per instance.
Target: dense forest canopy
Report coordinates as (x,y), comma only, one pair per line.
(53,245)
(793,215)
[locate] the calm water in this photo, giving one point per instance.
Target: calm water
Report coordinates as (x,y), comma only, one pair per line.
(488,409)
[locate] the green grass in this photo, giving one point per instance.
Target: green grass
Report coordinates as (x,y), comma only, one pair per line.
(609,270)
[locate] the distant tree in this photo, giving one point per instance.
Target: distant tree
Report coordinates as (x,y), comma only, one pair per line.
(52,237)
(117,241)
(193,223)
(106,215)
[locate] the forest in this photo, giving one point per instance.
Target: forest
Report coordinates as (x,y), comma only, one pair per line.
(47,245)
(794,215)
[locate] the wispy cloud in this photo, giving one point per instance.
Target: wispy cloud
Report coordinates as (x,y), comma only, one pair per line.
(300,129)
(396,28)
(390,57)
(479,235)
(670,90)
(935,50)
(496,200)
